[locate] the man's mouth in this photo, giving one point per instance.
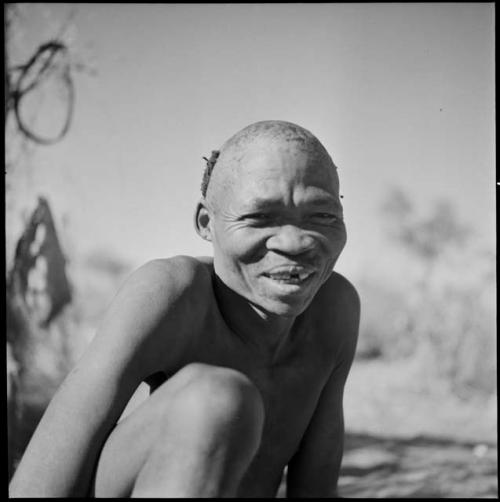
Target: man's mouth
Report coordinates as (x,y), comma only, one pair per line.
(290,274)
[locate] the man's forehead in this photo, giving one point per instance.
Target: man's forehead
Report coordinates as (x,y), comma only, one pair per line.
(266,179)
(316,197)
(282,160)
(243,197)
(265,157)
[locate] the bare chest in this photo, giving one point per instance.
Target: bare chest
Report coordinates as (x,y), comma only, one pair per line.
(290,395)
(290,391)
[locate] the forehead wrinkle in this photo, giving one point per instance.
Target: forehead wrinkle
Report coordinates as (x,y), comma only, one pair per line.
(277,193)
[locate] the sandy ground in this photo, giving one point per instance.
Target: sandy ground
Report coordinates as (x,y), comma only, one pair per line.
(409,438)
(399,399)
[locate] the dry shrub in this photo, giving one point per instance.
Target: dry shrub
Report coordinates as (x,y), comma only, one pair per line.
(384,322)
(447,324)
(445,317)
(457,324)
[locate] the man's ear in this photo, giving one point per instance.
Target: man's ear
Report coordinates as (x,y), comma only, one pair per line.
(202,221)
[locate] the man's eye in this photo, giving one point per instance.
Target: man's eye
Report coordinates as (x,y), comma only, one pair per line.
(258,216)
(325,216)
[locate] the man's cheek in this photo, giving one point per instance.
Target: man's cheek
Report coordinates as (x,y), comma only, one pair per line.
(232,254)
(338,241)
(339,247)
(245,248)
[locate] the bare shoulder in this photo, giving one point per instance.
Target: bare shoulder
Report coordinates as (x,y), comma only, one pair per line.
(338,291)
(163,287)
(158,308)
(172,277)
(337,312)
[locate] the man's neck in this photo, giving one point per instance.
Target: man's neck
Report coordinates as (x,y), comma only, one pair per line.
(264,332)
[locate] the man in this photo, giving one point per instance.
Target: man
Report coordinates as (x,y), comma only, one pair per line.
(246,354)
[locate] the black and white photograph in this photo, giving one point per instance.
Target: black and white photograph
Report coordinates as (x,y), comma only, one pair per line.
(251,250)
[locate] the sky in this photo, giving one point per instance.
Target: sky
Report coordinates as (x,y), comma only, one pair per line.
(401,95)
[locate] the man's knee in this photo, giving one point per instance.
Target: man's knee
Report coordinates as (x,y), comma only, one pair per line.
(216,400)
(209,431)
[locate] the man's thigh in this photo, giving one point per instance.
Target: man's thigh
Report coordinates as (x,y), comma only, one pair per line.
(129,443)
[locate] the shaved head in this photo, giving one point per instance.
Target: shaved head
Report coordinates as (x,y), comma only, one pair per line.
(258,136)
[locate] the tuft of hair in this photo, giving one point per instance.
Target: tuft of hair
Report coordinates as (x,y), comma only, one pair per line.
(209,167)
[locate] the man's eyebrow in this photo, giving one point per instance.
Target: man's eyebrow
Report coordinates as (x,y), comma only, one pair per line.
(263,203)
(324,200)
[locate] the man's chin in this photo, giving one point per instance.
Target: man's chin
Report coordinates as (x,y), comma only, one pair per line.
(281,307)
(288,299)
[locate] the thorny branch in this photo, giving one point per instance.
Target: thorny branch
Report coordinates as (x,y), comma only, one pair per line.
(50,59)
(45,55)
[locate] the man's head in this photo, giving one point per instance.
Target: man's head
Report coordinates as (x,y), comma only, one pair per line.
(271,209)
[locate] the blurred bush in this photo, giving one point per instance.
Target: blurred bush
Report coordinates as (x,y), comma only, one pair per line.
(43,346)
(445,317)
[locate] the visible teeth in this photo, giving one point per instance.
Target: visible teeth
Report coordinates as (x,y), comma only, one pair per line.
(281,276)
(284,276)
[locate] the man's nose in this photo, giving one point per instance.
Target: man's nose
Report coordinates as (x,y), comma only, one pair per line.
(292,240)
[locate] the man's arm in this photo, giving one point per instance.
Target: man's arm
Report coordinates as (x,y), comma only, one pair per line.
(141,334)
(314,469)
